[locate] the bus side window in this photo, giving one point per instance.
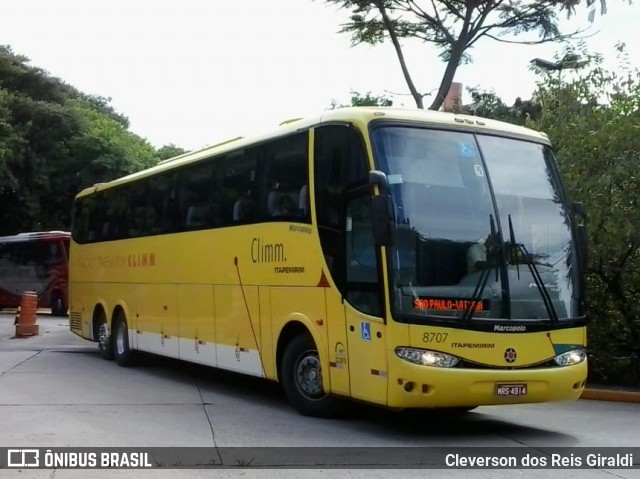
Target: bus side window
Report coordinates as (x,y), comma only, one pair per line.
(96,219)
(163,207)
(137,211)
(286,167)
(137,221)
(239,187)
(244,207)
(196,196)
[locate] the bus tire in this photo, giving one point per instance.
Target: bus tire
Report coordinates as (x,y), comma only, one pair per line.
(301,378)
(58,306)
(105,343)
(122,353)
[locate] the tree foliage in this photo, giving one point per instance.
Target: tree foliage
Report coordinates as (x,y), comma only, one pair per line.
(488,104)
(54,141)
(368,99)
(169,151)
(593,123)
(454,27)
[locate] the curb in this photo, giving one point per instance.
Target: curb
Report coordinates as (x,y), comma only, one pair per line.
(611,395)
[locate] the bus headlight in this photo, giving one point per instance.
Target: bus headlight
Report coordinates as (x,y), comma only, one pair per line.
(426,357)
(574,356)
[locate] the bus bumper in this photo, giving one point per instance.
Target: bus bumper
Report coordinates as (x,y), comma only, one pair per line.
(414,386)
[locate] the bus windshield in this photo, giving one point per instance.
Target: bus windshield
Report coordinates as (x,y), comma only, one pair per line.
(478,217)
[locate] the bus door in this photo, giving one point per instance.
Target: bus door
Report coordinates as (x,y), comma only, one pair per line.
(357,355)
(366,340)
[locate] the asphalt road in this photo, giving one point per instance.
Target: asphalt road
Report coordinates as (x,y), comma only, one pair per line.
(56,391)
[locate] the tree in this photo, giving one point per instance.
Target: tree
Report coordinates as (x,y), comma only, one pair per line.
(169,151)
(54,141)
(489,105)
(105,150)
(454,27)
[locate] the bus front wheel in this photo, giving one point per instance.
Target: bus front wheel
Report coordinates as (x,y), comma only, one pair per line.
(121,351)
(301,377)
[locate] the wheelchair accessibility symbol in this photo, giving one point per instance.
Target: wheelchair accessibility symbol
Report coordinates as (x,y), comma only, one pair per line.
(365,331)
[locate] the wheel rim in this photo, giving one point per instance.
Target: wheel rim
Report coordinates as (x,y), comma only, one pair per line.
(103,337)
(308,376)
(121,339)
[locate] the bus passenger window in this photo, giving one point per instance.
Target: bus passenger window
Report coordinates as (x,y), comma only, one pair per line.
(137,222)
(243,209)
(238,193)
(195,196)
(196,216)
(285,206)
(164,209)
(285,165)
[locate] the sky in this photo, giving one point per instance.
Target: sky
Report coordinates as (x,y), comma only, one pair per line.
(196,72)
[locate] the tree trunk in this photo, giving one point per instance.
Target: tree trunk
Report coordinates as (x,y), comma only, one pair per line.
(449,73)
(403,64)
(457,49)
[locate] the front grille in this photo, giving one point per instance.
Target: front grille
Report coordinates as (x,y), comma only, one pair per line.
(465,364)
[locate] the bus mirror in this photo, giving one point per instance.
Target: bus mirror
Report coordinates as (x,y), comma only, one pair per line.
(382,220)
(382,211)
(379,179)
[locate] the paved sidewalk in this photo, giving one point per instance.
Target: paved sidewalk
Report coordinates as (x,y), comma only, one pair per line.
(54,334)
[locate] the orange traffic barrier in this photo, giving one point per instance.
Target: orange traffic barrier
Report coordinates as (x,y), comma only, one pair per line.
(27,315)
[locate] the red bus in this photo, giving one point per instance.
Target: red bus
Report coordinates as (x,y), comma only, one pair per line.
(37,262)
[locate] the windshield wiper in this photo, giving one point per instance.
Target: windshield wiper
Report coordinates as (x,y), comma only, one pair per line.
(544,292)
(492,248)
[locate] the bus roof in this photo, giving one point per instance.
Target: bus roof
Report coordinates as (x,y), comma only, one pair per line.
(357,115)
(34,236)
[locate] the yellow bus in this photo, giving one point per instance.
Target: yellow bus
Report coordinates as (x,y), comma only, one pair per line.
(408,259)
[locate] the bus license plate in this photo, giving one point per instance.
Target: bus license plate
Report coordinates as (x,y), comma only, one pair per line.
(511,389)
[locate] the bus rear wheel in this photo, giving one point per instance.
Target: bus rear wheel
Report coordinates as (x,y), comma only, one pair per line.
(122,353)
(105,344)
(301,377)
